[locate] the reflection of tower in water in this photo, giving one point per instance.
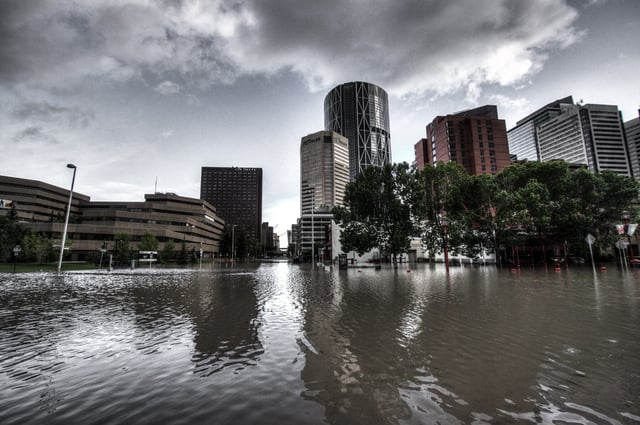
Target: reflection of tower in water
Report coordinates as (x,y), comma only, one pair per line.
(349,326)
(224,313)
(226,326)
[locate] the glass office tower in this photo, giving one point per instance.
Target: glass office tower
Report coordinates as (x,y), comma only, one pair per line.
(360,112)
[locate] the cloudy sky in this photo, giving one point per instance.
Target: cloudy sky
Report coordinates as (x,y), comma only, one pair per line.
(134,90)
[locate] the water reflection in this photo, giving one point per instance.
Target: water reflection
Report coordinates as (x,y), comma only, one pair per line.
(221,307)
(284,344)
(481,346)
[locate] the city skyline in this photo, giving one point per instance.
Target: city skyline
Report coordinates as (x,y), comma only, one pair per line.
(135,93)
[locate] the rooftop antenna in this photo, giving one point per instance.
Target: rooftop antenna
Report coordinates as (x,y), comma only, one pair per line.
(155,189)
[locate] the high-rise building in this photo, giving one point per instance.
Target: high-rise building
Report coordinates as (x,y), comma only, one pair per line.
(237,194)
(476,139)
(522,139)
(632,130)
(562,138)
(324,169)
(324,174)
(420,153)
(586,134)
(360,112)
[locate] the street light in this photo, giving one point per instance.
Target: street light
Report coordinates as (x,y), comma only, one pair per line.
(66,219)
(444,222)
(233,242)
(313,239)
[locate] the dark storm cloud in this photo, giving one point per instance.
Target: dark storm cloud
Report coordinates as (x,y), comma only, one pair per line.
(47,112)
(35,134)
(408,46)
(37,36)
(15,46)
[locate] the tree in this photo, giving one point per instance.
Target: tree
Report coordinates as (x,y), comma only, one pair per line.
(36,247)
(183,255)
(148,242)
(549,203)
(122,251)
(168,252)
(441,194)
(594,203)
(11,234)
(379,210)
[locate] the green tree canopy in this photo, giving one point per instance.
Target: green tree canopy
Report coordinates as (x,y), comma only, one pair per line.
(148,242)
(122,250)
(379,210)
(168,252)
(442,186)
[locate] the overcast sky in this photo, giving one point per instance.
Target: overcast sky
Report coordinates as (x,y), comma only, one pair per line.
(134,90)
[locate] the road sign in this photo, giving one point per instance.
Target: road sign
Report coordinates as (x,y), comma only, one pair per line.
(590,239)
(622,244)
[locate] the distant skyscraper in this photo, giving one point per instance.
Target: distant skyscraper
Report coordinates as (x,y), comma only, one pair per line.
(591,134)
(475,139)
(324,170)
(522,138)
(632,129)
(420,153)
(324,174)
(236,193)
(360,112)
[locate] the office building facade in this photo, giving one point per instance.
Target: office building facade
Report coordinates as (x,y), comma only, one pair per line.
(324,174)
(324,170)
(237,195)
(93,225)
(590,134)
(523,142)
(561,138)
(476,139)
(632,131)
(360,112)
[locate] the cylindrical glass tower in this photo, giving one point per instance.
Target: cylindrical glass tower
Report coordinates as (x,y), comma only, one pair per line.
(360,112)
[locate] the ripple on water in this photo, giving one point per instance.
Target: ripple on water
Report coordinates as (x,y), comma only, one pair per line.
(284,344)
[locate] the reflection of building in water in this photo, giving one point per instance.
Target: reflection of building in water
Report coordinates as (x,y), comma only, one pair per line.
(225,314)
(391,348)
(352,372)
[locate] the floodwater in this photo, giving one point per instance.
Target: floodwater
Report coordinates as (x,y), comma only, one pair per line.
(284,344)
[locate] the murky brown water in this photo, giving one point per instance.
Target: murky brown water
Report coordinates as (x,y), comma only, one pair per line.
(282,344)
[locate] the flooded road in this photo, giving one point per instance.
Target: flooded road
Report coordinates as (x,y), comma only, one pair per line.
(283,344)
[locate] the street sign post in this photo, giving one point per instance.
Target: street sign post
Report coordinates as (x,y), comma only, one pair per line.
(590,240)
(16,251)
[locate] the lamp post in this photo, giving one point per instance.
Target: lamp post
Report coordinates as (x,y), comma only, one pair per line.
(444,222)
(313,239)
(16,252)
(66,219)
(233,242)
(626,218)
